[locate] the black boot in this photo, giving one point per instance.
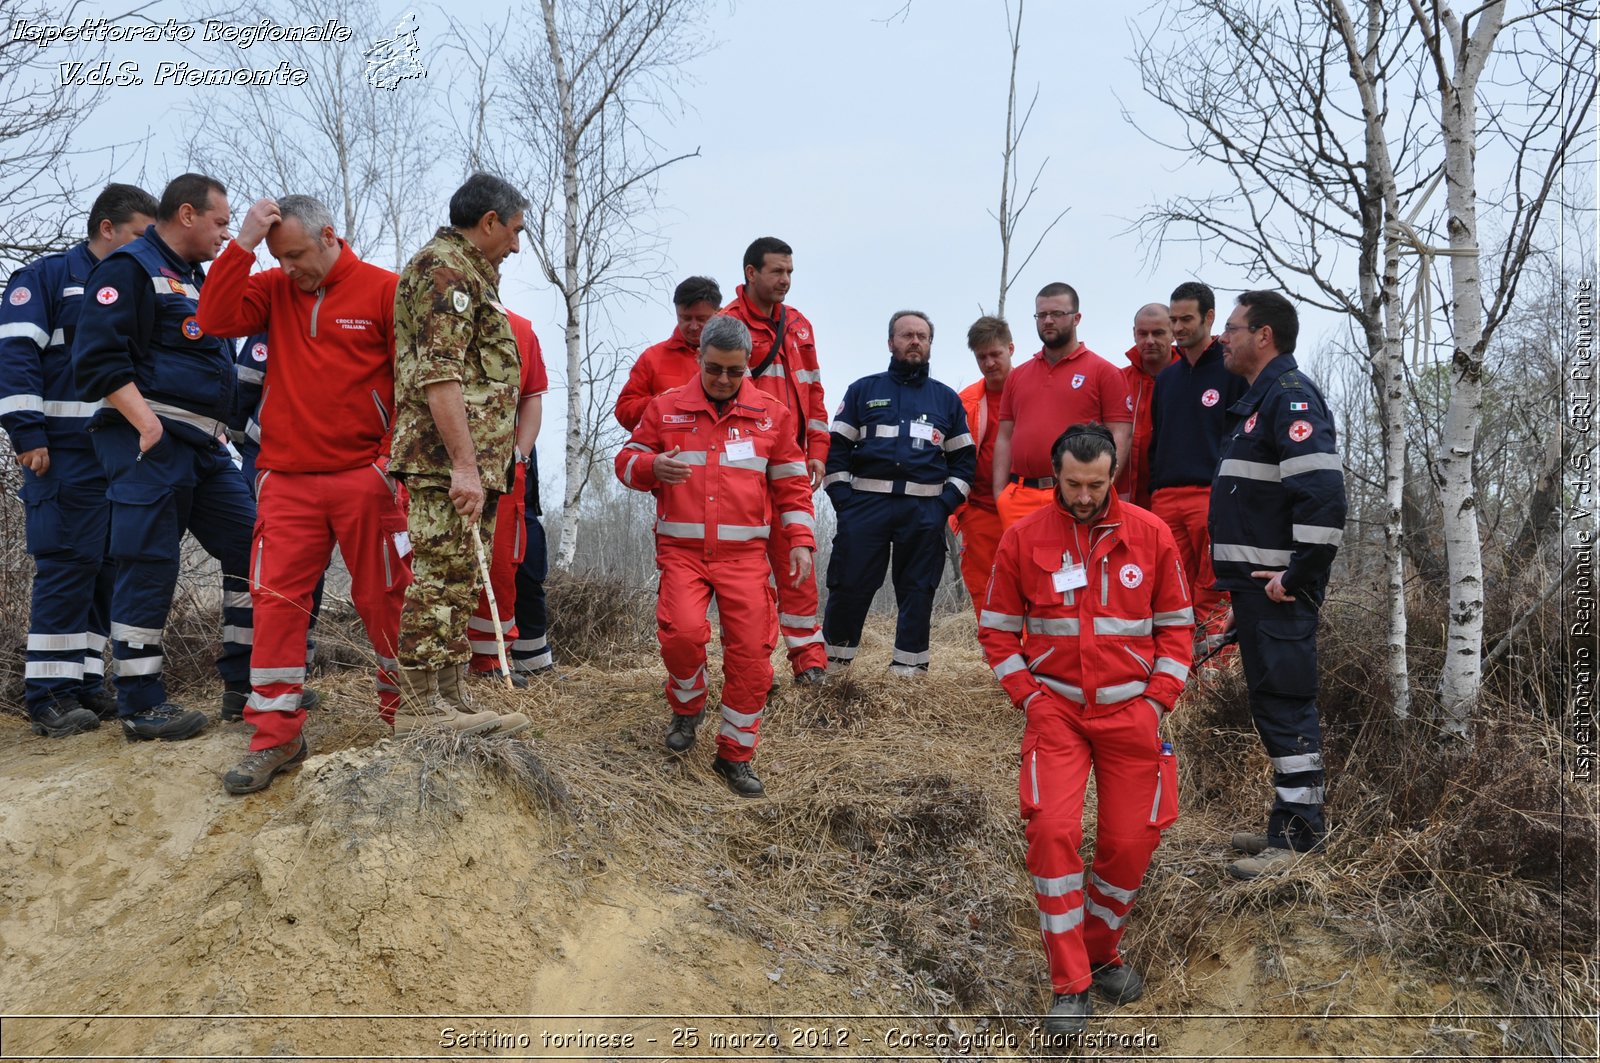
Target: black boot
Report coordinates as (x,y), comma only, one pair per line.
(59,719)
(681,731)
(739,777)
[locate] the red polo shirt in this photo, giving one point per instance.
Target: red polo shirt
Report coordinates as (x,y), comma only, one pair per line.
(1041,400)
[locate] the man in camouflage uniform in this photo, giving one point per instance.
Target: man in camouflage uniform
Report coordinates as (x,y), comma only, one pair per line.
(457,384)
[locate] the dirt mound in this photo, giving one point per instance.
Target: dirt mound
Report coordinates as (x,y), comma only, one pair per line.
(595,898)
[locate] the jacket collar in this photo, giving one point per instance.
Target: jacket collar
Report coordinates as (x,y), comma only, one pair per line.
(750,311)
(748,400)
(1269,376)
(904,373)
(342,266)
(1138,363)
(166,252)
(469,250)
(80,260)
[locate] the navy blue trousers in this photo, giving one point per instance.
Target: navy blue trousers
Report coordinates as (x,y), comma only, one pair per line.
(531,650)
(180,484)
(904,535)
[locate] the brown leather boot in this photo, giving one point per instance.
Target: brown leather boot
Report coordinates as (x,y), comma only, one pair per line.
(423,707)
(453,690)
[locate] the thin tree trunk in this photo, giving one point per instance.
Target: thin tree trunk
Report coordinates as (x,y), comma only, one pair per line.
(576,457)
(1009,159)
(1458,70)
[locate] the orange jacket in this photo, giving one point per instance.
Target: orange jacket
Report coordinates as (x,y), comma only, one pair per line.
(983,421)
(665,365)
(793,378)
(746,472)
(1126,633)
(1133,479)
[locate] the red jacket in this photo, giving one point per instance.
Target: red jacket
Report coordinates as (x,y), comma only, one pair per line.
(1127,633)
(669,364)
(1133,479)
(737,496)
(983,421)
(328,398)
(535,380)
(793,378)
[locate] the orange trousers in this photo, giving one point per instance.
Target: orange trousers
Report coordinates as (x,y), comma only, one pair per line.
(978,531)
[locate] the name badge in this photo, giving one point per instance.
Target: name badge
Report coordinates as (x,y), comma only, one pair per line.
(1069,578)
(922,430)
(740,450)
(402,543)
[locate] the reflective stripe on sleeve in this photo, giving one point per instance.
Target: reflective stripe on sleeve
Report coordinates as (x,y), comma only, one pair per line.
(1176,618)
(1317,534)
(849,431)
(1310,463)
(1173,667)
(1010,666)
(1249,470)
(1254,555)
(957,442)
(999,621)
(26,330)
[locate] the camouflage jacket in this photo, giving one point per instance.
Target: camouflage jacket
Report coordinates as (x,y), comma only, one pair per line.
(449,325)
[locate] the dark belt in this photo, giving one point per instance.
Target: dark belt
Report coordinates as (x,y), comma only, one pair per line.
(1034,481)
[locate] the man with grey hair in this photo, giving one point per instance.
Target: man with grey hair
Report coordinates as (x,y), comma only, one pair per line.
(723,459)
(324,419)
(900,460)
(454,353)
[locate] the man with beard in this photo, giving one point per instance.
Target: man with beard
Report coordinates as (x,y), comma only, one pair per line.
(900,462)
(1065,383)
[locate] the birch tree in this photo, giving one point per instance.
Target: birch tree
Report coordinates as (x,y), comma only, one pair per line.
(578,91)
(1293,103)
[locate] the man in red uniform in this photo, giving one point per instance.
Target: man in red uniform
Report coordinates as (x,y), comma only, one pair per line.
(1189,423)
(1152,351)
(722,460)
(1063,384)
(324,417)
(977,523)
(1096,585)
(783,363)
(510,539)
(675,360)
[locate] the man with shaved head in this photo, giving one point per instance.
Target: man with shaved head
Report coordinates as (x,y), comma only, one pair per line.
(1152,351)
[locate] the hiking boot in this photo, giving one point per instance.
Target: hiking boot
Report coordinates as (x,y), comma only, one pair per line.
(421,707)
(453,689)
(1118,982)
(102,704)
(235,695)
(682,730)
(256,769)
(1246,842)
(166,722)
(1069,1013)
(491,675)
(59,719)
(811,677)
(739,777)
(1268,861)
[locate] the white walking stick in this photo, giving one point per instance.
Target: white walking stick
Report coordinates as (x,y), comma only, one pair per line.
(494,607)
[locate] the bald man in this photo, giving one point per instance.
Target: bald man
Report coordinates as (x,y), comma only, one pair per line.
(1152,351)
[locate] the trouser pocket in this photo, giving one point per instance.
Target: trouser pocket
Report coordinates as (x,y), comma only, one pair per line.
(144,521)
(1164,806)
(42,523)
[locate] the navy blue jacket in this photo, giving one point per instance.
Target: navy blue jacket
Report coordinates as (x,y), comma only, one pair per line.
(1278,500)
(1189,419)
(250,373)
(39,404)
(138,325)
(901,433)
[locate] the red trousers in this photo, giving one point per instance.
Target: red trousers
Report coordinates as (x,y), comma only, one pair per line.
(797,608)
(510,543)
(747,611)
(299,518)
(1082,922)
(1017,501)
(1185,509)
(979,530)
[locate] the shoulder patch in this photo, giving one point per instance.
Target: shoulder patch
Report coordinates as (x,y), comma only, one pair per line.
(106,296)
(20,296)
(1291,381)
(1300,431)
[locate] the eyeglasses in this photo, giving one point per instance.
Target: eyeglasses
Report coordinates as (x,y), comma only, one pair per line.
(1228,330)
(1051,315)
(732,372)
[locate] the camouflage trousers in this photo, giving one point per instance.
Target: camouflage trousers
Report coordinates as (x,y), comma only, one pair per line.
(444,577)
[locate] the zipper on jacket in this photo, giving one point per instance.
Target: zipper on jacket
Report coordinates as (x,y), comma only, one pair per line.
(1033,771)
(1155,806)
(383,414)
(314,308)
(1148,671)
(388,569)
(261,549)
(1105,580)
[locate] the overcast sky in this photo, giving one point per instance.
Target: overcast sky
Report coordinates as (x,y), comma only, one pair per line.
(868,138)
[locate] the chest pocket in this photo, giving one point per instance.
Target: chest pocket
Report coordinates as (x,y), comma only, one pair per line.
(1039,579)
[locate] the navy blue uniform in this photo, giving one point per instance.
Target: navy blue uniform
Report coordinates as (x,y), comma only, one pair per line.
(138,325)
(1190,412)
(900,460)
(531,650)
(67,521)
(1278,503)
